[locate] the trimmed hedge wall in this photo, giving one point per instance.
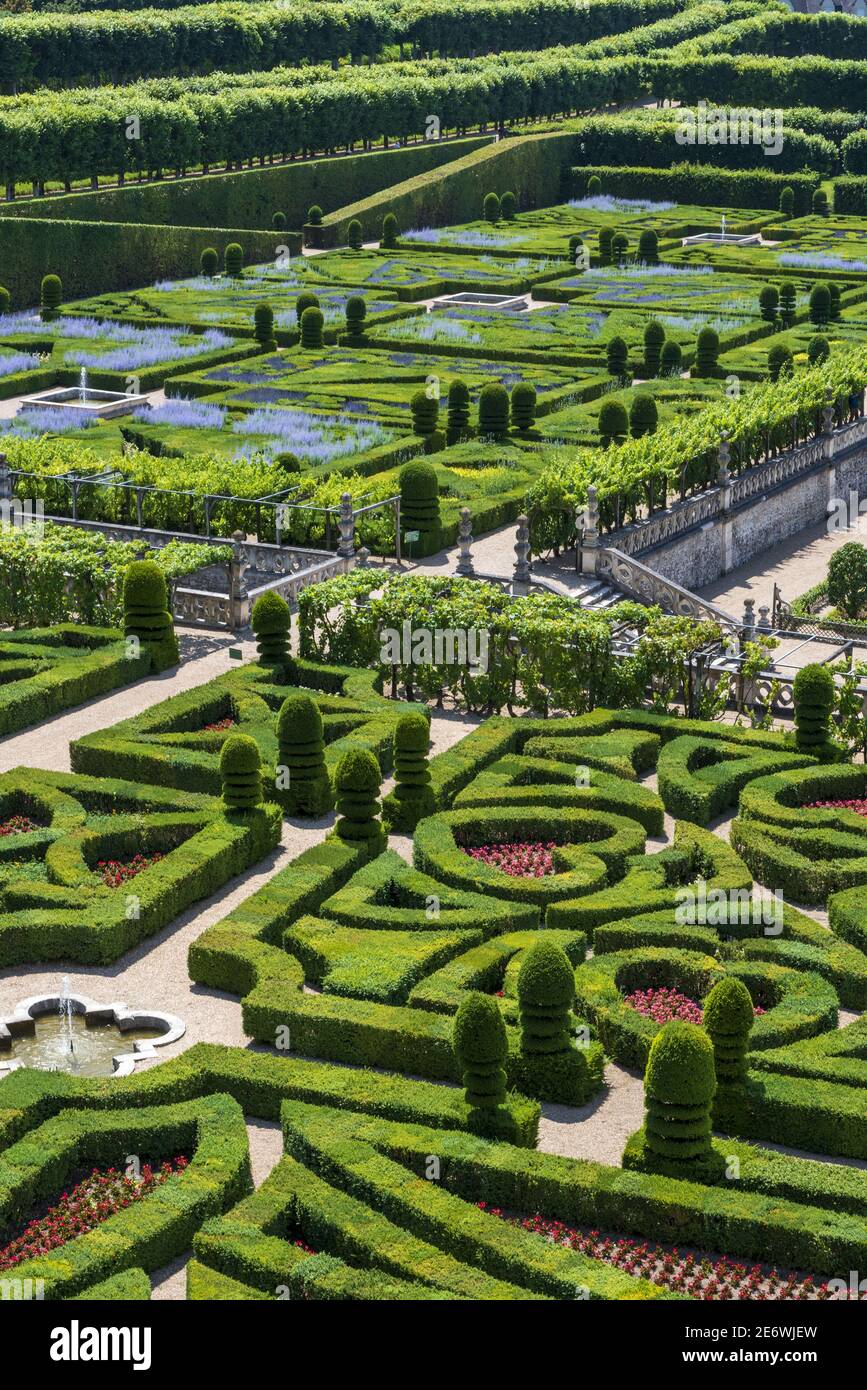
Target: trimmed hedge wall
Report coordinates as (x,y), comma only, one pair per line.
(699,184)
(93,661)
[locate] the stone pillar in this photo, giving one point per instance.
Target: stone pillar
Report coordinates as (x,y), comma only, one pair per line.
(830,441)
(465,540)
(764,623)
(522,572)
(5,479)
(239,599)
(748,629)
(590,544)
(346,523)
(724,482)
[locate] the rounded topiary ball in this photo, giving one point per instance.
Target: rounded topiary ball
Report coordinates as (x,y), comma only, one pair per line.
(314,215)
(728,1018)
(144,587)
(481,1047)
(278,221)
(299,720)
(241,772)
(209,262)
(546,977)
(613,422)
(306,300)
(818,349)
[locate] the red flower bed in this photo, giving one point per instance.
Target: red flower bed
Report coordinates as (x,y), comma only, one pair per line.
(17,825)
(533,860)
(859,806)
(220,725)
(90,1202)
(662,1005)
(114,872)
(699,1276)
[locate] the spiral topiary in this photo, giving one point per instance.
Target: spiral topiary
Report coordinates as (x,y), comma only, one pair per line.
(648,247)
(356,313)
(605,240)
(672,358)
(613,423)
(679,1087)
(458,410)
(546,993)
(707,352)
(241,773)
(643,416)
(389,236)
(813,692)
(209,262)
(491,207)
(50,297)
(303,785)
(617,357)
(356,784)
(508,206)
(312,328)
(354,235)
(654,337)
(263,327)
(788,302)
(233,260)
(481,1048)
(493,410)
(425,413)
(271,622)
(523,406)
(146,614)
(420,502)
(412,798)
(769,298)
(728,1018)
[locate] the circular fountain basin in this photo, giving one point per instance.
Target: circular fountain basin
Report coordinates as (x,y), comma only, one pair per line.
(106,1039)
(91,404)
(724,239)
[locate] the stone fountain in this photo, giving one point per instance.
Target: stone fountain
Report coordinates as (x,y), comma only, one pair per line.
(724,238)
(73,1033)
(84,401)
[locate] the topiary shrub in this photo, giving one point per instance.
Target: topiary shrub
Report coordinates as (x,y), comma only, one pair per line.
(643,416)
(654,337)
(290,463)
(241,773)
(820,304)
(278,221)
(356,313)
(146,613)
(672,358)
(493,410)
(481,1047)
(312,328)
(508,206)
(263,327)
(546,993)
(605,239)
(305,300)
(707,353)
(617,358)
(728,1018)
(458,410)
(356,785)
(576,244)
(420,503)
(820,203)
(788,300)
(523,404)
(5,300)
(209,262)
(769,298)
(233,260)
(780,361)
(787,201)
(412,798)
(354,234)
(813,691)
(271,621)
(613,423)
(818,349)
(425,413)
(847,580)
(491,208)
(303,785)
(594,186)
(834,292)
(619,248)
(389,231)
(314,215)
(648,247)
(50,297)
(679,1087)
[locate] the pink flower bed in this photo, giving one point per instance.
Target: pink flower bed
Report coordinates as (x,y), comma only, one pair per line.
(533,860)
(219,726)
(115,872)
(699,1276)
(662,1005)
(859,806)
(18,825)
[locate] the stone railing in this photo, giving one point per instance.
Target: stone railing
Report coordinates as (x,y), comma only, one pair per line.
(776,472)
(637,581)
(665,525)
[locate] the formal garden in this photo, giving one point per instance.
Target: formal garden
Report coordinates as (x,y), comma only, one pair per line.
(413,886)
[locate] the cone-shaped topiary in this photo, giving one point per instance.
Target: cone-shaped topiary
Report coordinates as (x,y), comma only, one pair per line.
(412,798)
(728,1018)
(354,234)
(492,207)
(707,353)
(818,349)
(303,785)
(648,247)
(420,502)
(643,416)
(813,691)
(493,410)
(617,357)
(146,614)
(613,423)
(209,262)
(787,201)
(780,361)
(508,204)
(241,773)
(546,993)
(654,337)
(679,1086)
(481,1048)
(356,784)
(458,409)
(278,221)
(271,621)
(606,239)
(425,412)
(263,327)
(389,231)
(312,328)
(356,313)
(50,297)
(233,259)
(672,358)
(523,406)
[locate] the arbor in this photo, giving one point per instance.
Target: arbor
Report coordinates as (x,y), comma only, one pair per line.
(481,1048)
(847,580)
